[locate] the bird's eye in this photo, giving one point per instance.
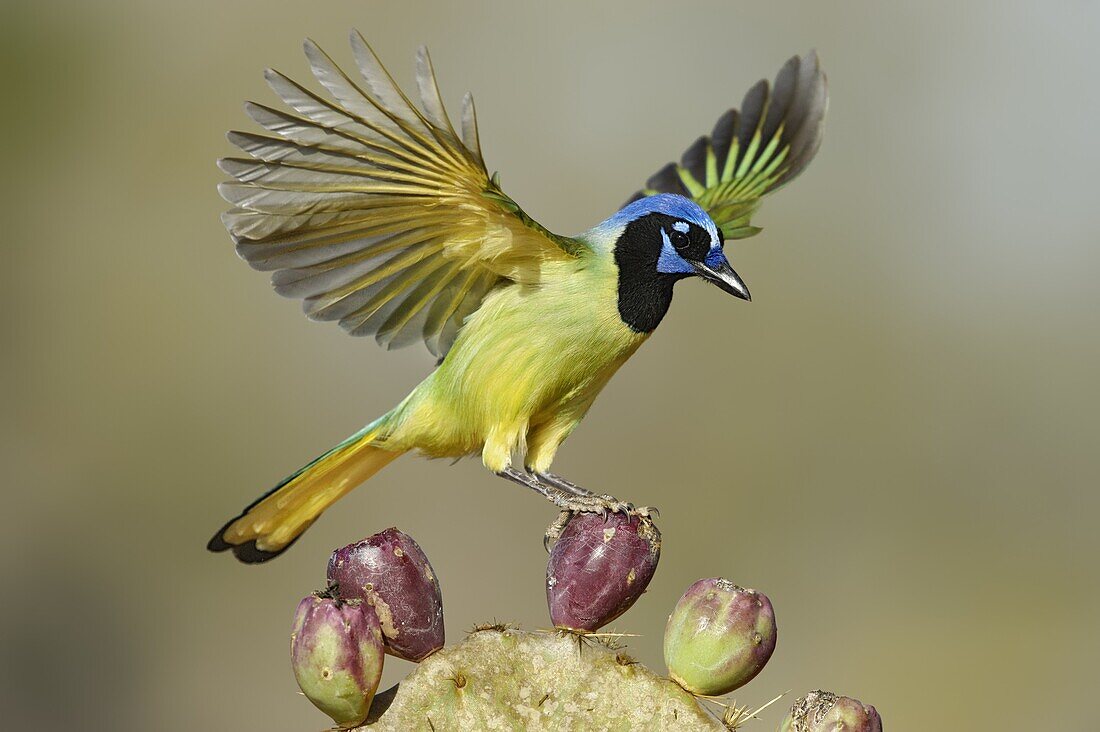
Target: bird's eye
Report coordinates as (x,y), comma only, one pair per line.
(679,239)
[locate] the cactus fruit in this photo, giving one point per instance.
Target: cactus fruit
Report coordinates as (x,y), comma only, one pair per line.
(599,566)
(718,637)
(390,572)
(336,653)
(502,678)
(820,711)
(384,598)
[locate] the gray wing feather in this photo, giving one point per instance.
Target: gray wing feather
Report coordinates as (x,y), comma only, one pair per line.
(381,84)
(722,135)
(753,107)
(429,91)
(469,126)
(667,180)
(343,89)
(694,159)
(807,115)
(782,93)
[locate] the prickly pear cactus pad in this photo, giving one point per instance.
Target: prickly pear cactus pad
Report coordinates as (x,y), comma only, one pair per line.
(501,678)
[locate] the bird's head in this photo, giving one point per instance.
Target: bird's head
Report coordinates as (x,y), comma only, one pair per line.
(657,241)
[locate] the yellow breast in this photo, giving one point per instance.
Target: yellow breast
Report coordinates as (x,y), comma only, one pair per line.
(528,353)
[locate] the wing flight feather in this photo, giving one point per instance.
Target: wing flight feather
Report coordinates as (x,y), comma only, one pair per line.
(375,213)
(753,151)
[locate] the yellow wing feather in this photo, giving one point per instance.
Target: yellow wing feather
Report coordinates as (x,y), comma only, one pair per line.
(375,213)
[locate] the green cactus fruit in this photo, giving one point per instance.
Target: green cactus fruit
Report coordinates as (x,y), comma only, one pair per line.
(336,652)
(718,637)
(501,678)
(821,711)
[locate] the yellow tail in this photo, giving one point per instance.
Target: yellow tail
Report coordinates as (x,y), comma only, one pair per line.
(276,519)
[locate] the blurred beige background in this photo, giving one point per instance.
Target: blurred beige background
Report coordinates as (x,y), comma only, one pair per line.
(897,440)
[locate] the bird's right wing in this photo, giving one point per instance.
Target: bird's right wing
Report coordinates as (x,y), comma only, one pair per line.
(375,213)
(754,151)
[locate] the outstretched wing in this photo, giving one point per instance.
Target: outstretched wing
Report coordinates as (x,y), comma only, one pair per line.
(377,214)
(754,151)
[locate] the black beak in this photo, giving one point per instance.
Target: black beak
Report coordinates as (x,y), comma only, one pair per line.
(724,277)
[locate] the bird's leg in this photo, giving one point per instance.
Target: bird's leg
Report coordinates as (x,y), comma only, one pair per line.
(567,499)
(559,482)
(550,493)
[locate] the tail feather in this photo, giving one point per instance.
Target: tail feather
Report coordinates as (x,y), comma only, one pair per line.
(274,521)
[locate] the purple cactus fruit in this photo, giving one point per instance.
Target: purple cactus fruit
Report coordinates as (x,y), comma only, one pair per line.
(390,572)
(600,565)
(820,711)
(718,637)
(336,653)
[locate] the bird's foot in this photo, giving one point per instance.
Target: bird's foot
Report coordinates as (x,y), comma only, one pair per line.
(596,502)
(571,504)
(592,503)
(572,499)
(553,531)
(586,500)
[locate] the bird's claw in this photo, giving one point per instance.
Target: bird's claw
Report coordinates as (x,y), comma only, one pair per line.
(553,531)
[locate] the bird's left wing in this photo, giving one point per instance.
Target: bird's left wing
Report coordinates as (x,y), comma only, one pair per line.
(752,151)
(378,214)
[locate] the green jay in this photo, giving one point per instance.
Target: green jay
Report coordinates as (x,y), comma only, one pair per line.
(381,215)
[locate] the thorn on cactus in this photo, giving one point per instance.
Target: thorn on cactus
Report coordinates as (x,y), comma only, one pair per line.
(718,637)
(390,572)
(736,716)
(625,659)
(495,625)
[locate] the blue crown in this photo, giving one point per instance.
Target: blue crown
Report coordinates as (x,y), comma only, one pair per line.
(665,203)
